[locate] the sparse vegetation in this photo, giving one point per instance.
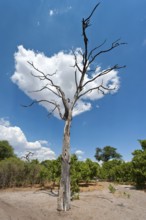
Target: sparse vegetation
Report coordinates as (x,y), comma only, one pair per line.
(111,188)
(15,172)
(126,194)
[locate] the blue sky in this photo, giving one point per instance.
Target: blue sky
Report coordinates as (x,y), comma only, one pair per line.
(52,27)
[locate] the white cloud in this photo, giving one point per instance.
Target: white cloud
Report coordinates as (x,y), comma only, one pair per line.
(53,12)
(62,63)
(15,136)
(4,122)
(79,154)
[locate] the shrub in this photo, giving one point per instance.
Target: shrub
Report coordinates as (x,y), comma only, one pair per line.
(111,188)
(11,172)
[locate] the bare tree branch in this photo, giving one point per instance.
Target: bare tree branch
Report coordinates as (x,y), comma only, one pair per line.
(98,88)
(27,156)
(76,62)
(51,113)
(114,45)
(60,91)
(81,81)
(89,58)
(85,25)
(76,80)
(115,67)
(46,87)
(45,77)
(40,70)
(91,52)
(50,102)
(87,20)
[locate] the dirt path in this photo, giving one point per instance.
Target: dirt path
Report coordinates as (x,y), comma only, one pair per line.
(125,204)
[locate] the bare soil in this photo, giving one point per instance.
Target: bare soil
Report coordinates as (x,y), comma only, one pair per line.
(96,203)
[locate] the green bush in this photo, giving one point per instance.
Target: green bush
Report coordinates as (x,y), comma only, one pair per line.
(139,168)
(11,172)
(31,172)
(6,150)
(75,177)
(122,173)
(107,170)
(111,188)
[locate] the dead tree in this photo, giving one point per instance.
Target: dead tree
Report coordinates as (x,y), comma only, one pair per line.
(88,57)
(27,156)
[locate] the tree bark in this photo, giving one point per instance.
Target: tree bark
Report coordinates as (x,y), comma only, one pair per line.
(64,191)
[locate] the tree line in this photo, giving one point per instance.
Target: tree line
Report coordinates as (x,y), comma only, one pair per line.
(24,172)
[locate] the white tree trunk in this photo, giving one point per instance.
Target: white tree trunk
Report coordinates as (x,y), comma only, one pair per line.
(64,191)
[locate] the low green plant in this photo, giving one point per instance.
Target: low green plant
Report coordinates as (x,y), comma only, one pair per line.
(75,196)
(126,194)
(111,188)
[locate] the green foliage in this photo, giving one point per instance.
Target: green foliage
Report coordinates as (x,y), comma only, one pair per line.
(31,172)
(106,154)
(75,176)
(85,171)
(139,165)
(122,173)
(117,171)
(81,171)
(89,170)
(6,150)
(75,196)
(17,172)
(111,188)
(43,175)
(94,168)
(106,170)
(143,144)
(11,172)
(53,168)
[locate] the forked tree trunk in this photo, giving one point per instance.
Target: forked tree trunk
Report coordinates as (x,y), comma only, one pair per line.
(64,191)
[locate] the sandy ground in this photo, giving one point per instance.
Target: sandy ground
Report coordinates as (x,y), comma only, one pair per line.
(125,204)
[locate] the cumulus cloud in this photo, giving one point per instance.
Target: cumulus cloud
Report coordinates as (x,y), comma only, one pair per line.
(79,154)
(15,136)
(62,64)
